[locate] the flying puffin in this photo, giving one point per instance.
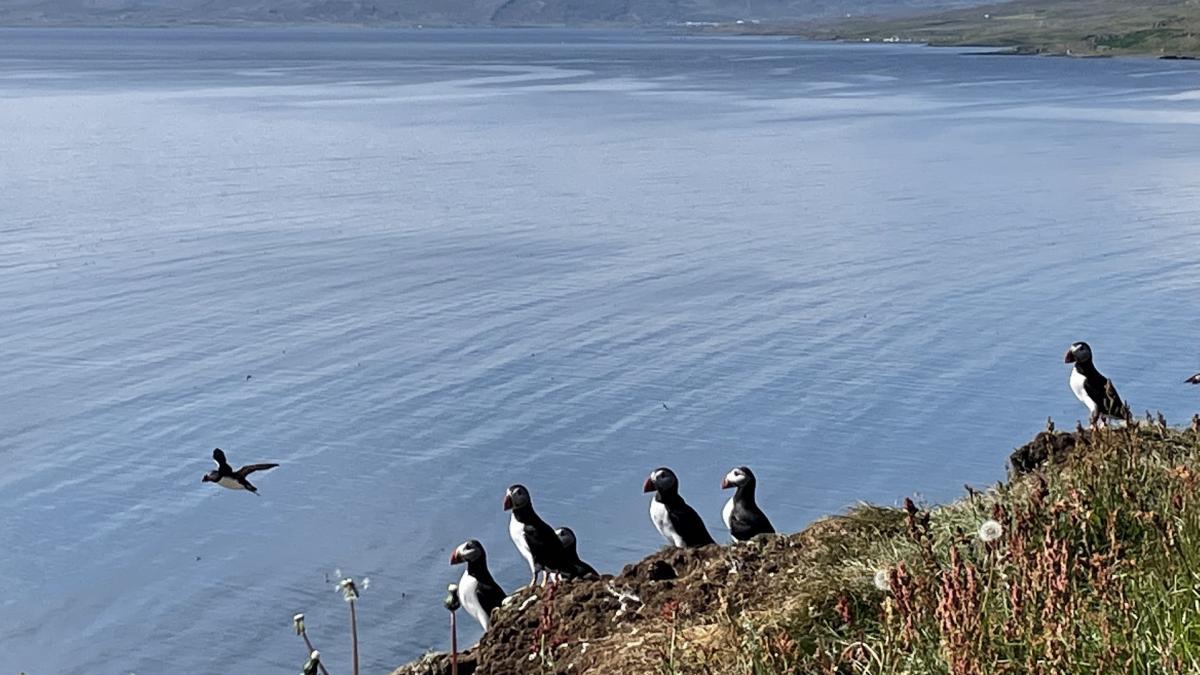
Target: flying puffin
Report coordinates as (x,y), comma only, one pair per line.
(1195,379)
(579,569)
(741,513)
(477,590)
(1093,389)
(534,539)
(226,477)
(677,522)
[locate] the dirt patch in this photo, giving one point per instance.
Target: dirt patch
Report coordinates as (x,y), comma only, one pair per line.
(703,610)
(438,663)
(1053,447)
(625,623)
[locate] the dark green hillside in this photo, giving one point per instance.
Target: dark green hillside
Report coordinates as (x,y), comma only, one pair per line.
(1076,27)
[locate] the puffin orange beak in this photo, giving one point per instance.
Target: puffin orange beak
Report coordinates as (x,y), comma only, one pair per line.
(454,558)
(204,478)
(508,502)
(648,486)
(725,484)
(1070,358)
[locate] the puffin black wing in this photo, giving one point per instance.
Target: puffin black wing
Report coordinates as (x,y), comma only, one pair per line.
(1195,379)
(251,468)
(1101,390)
(545,547)
(746,521)
(584,571)
(219,458)
(489,593)
(689,525)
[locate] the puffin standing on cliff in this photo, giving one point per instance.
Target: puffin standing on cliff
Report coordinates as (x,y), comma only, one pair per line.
(741,513)
(677,522)
(477,590)
(1093,389)
(535,540)
(578,568)
(226,477)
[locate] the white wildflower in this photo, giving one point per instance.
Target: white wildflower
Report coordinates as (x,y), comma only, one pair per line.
(881,580)
(298,624)
(990,531)
(348,590)
(366,583)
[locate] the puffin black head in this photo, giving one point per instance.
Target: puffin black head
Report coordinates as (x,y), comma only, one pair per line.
(208,477)
(1080,351)
(566,536)
(661,479)
(468,551)
(737,477)
(516,497)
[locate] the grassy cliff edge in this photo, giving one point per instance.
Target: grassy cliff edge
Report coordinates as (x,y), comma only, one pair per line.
(1086,560)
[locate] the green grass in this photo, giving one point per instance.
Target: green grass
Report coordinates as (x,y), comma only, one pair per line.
(1097,570)
(1078,27)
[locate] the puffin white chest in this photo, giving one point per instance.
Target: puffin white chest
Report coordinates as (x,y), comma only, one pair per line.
(1077,386)
(662,523)
(228,482)
(468,587)
(516,531)
(727,513)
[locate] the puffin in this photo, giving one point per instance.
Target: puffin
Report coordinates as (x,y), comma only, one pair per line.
(677,522)
(1195,379)
(226,477)
(477,590)
(1093,389)
(534,538)
(741,513)
(579,569)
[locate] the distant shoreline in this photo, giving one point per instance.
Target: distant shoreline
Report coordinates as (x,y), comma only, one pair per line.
(1022,34)
(1103,28)
(983,49)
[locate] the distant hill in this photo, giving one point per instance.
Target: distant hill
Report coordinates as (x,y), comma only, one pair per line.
(450,12)
(1074,27)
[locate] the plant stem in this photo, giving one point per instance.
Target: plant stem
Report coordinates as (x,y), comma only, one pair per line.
(453,645)
(354,635)
(311,649)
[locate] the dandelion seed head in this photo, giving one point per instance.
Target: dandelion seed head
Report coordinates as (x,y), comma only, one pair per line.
(990,531)
(881,580)
(348,589)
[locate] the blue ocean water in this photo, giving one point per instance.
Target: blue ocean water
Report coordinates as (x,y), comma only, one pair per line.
(414,267)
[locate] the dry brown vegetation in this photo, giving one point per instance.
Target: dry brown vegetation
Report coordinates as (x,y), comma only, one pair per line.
(1093,565)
